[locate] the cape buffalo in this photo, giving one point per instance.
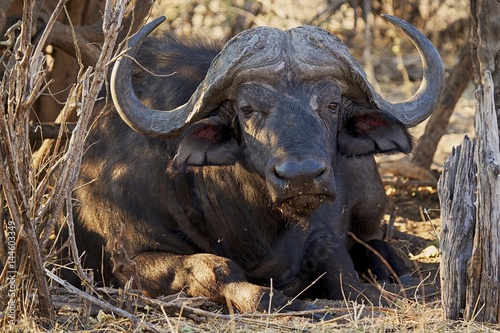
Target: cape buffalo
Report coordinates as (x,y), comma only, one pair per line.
(225,170)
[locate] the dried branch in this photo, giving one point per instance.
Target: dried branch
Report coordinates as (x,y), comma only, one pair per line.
(89,83)
(24,77)
(50,130)
(33,206)
(187,309)
(68,40)
(72,289)
(86,40)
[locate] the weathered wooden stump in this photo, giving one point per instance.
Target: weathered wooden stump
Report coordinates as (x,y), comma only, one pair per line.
(469,191)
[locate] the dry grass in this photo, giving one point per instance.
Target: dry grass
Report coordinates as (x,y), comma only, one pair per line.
(179,315)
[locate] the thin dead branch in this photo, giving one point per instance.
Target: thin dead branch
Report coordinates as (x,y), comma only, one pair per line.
(72,289)
(84,41)
(382,259)
(25,74)
(91,82)
(50,130)
(30,202)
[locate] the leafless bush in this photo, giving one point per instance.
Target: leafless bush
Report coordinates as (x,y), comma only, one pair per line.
(36,188)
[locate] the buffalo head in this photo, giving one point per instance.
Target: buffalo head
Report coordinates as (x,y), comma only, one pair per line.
(285,105)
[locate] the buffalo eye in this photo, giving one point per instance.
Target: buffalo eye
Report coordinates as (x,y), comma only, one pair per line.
(333,107)
(247,110)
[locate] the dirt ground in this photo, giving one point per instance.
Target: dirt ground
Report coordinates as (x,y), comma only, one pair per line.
(412,220)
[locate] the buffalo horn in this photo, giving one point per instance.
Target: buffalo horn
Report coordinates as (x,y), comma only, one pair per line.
(139,117)
(418,107)
(257,52)
(252,52)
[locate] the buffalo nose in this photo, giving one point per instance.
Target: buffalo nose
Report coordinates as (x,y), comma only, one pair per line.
(303,171)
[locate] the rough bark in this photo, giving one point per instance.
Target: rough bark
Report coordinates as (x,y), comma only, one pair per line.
(470,211)
(482,301)
(486,44)
(456,189)
(483,295)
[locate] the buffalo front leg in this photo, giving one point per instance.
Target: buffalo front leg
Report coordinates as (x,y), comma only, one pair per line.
(328,256)
(218,278)
(367,258)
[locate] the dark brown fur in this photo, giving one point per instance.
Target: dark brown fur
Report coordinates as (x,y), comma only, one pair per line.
(214,230)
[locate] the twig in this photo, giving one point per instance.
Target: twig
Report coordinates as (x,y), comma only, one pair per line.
(375,252)
(90,83)
(85,38)
(72,289)
(22,82)
(173,307)
(302,291)
(42,131)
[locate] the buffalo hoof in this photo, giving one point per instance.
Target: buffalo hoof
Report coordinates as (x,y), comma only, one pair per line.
(365,260)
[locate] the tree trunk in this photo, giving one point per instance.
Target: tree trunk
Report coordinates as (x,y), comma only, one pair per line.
(484,267)
(470,213)
(486,44)
(456,189)
(469,189)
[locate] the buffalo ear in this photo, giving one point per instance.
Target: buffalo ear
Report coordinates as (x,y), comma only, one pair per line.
(371,131)
(206,142)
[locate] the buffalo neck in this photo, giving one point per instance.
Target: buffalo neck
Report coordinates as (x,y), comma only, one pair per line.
(233,208)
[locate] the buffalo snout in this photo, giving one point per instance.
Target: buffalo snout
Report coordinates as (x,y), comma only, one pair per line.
(298,187)
(300,173)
